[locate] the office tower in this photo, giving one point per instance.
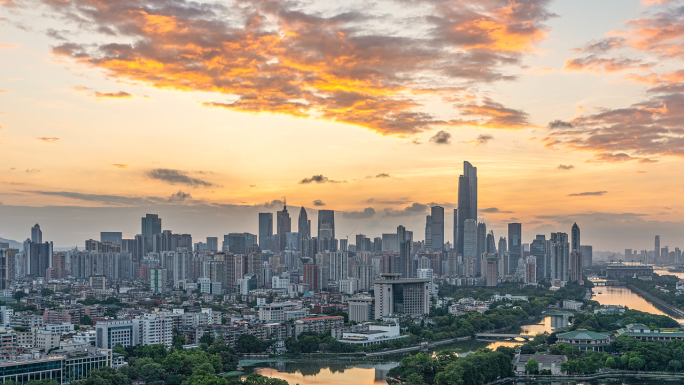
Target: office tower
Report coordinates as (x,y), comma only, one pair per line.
(531,270)
(560,257)
(396,295)
(587,255)
(481,244)
(490,243)
(36,234)
(455,230)
(514,246)
(158,280)
(576,262)
(151,225)
(343,244)
(428,233)
(538,250)
(664,252)
(575,234)
(303,230)
(390,243)
(111,236)
(656,253)
(265,229)
(491,269)
(678,255)
(212,244)
(326,220)
(405,240)
(7,268)
(628,255)
(239,243)
(39,257)
(437,229)
(284,227)
(326,241)
(470,246)
(377,245)
(503,256)
(467,202)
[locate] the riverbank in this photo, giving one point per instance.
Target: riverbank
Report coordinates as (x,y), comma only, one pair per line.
(657,302)
(600,376)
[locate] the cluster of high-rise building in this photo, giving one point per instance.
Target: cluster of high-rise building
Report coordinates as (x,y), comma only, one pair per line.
(310,260)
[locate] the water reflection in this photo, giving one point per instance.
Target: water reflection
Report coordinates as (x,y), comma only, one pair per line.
(614,295)
(665,272)
(315,374)
(548,324)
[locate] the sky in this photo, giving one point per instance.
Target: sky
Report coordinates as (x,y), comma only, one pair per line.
(208,113)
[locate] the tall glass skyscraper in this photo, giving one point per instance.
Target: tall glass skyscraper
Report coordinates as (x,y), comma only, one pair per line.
(436,228)
(467,202)
(514,246)
(326,217)
(265,229)
(151,225)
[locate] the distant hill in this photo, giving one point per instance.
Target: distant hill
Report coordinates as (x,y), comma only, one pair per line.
(13,244)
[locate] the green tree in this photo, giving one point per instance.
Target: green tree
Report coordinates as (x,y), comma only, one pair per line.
(309,344)
(86,320)
(532,366)
(105,376)
(45,292)
(19,295)
(674,365)
(206,339)
(610,363)
(636,363)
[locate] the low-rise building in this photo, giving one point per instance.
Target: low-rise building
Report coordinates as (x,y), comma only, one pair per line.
(585,340)
(644,333)
(318,324)
(572,305)
(548,362)
(374,335)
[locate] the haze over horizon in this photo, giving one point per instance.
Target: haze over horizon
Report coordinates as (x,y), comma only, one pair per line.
(208,113)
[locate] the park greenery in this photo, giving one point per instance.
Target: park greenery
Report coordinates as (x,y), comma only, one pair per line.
(624,353)
(447,368)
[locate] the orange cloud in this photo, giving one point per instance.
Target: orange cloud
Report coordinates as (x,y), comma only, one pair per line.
(113,95)
(119,165)
(267,57)
(600,65)
(4,91)
(49,140)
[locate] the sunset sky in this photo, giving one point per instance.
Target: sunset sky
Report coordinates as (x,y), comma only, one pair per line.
(210,112)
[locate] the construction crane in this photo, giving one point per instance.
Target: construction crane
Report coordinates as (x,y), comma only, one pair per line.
(353,231)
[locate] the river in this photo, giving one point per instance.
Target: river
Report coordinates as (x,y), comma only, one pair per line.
(374,373)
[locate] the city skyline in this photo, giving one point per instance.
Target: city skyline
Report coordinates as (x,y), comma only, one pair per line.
(171,146)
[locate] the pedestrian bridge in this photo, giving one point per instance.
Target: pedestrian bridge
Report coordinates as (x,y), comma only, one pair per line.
(500,336)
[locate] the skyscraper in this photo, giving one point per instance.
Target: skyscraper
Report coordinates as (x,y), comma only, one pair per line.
(284,227)
(303,230)
(151,225)
(538,250)
(560,257)
(514,246)
(467,201)
(265,229)
(428,233)
(575,238)
(212,243)
(575,270)
(326,217)
(481,244)
(470,246)
(490,243)
(405,256)
(503,257)
(111,236)
(37,234)
(437,228)
(656,253)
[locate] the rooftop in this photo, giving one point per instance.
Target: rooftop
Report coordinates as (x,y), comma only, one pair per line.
(583,334)
(542,358)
